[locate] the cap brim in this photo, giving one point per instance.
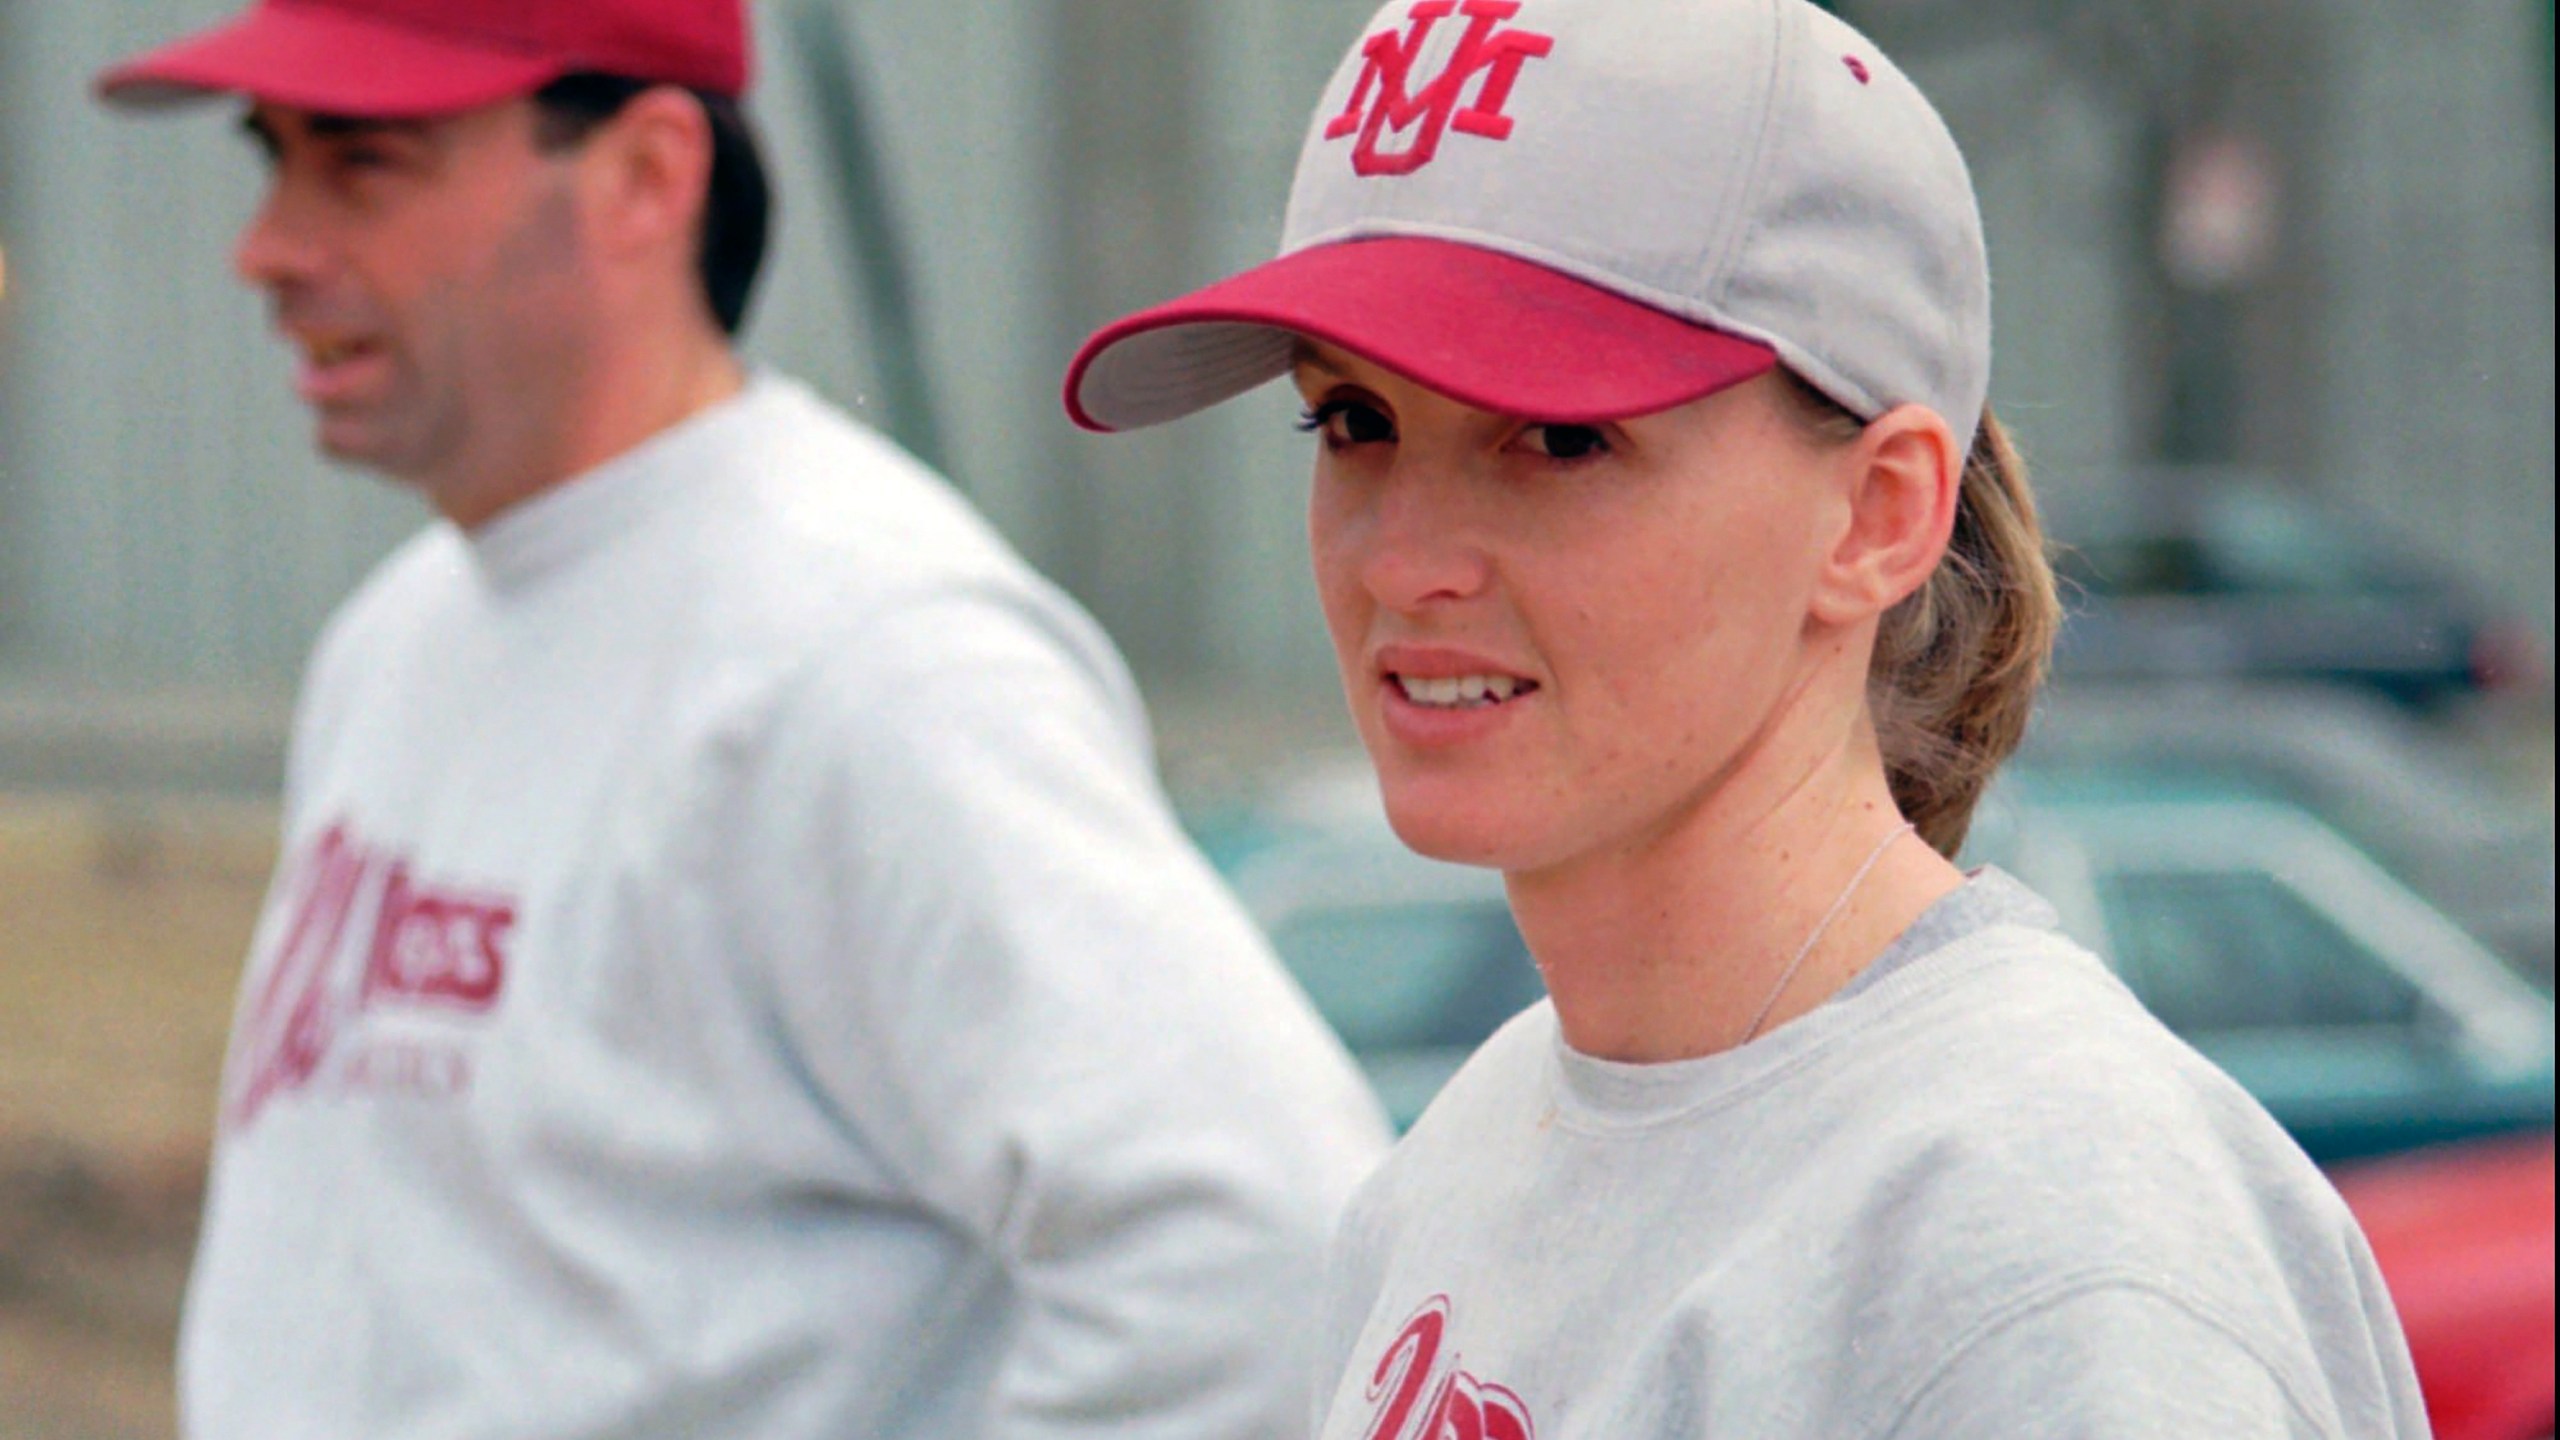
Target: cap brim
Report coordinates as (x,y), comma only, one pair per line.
(1489,330)
(326,61)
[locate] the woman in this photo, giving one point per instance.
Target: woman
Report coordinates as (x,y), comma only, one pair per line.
(1676,567)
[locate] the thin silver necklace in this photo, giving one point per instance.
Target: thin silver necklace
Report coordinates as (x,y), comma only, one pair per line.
(1806,949)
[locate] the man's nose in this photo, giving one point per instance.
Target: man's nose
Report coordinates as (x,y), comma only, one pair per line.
(278,245)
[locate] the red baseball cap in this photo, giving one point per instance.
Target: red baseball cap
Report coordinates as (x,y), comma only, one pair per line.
(1484,328)
(406,58)
(1584,210)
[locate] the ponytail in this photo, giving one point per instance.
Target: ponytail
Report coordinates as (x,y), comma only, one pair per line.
(1958,663)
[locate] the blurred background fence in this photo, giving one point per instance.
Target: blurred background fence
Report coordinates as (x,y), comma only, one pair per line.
(2314,240)
(2274,312)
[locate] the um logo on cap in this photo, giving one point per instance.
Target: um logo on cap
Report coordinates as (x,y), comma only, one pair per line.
(1384,103)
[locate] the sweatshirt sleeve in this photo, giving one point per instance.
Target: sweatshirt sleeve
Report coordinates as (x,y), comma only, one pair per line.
(2114,1361)
(1003,967)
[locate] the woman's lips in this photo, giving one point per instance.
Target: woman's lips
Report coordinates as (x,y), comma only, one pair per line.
(1462,692)
(1437,697)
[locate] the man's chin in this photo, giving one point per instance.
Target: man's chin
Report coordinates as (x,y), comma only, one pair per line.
(352,443)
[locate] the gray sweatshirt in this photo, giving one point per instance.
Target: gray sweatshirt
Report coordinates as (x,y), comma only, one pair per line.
(1980,1195)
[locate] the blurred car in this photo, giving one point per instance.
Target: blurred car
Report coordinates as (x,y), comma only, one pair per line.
(2423,801)
(2215,575)
(2361,1016)
(1414,962)
(2464,1236)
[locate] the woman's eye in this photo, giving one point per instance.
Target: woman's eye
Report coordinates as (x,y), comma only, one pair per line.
(1566,442)
(1348,422)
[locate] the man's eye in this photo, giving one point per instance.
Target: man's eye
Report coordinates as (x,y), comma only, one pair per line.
(1566,442)
(1348,422)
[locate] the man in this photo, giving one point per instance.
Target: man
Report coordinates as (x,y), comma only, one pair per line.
(732,973)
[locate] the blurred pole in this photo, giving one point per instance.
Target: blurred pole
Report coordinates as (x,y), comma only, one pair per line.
(1129,154)
(877,258)
(2217,209)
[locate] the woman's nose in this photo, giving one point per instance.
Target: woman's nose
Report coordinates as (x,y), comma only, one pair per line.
(1422,544)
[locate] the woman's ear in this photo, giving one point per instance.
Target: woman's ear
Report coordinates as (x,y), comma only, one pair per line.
(1905,476)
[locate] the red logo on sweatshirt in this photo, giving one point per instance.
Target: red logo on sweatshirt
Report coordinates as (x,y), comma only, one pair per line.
(427,945)
(438,947)
(1421,1393)
(1384,102)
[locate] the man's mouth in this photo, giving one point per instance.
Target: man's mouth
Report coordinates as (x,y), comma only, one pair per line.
(323,351)
(338,368)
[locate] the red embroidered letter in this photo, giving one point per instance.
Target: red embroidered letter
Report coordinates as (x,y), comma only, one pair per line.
(1383,99)
(431,945)
(1421,1395)
(286,1033)
(1405,1369)
(437,945)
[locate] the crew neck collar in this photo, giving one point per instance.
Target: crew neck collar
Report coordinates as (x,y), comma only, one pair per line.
(1610,1095)
(553,531)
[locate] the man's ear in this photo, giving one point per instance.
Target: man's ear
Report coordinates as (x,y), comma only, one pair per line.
(650,173)
(1905,476)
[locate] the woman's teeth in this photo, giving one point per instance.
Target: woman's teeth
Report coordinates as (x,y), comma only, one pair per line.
(1462,692)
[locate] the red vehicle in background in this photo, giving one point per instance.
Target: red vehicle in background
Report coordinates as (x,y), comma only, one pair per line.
(2464,1235)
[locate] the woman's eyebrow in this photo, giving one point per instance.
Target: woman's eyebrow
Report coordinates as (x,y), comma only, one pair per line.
(1304,355)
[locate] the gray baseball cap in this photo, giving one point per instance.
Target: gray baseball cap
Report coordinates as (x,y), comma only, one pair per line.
(1579,210)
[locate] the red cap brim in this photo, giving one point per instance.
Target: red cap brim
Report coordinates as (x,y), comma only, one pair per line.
(330,62)
(1486,329)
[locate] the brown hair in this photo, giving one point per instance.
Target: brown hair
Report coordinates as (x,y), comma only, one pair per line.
(1958,662)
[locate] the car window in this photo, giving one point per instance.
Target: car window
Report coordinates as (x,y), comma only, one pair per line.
(2240,951)
(2137,565)
(2241,542)
(1410,976)
(2260,541)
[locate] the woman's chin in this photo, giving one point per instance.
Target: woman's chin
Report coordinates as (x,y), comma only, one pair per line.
(1460,830)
